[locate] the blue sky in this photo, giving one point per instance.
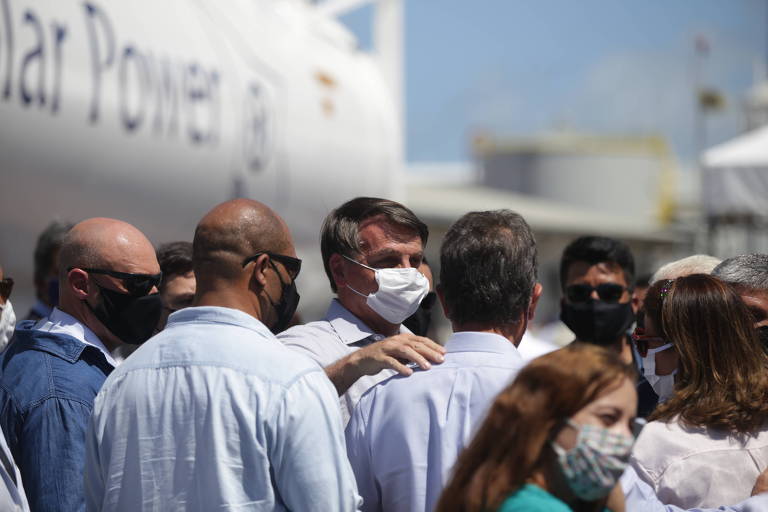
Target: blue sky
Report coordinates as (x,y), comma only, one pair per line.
(600,66)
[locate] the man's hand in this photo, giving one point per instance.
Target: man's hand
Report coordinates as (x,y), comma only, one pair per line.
(761,484)
(393,353)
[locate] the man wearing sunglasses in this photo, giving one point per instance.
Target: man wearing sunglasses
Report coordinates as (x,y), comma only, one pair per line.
(215,413)
(51,372)
(597,277)
(371,250)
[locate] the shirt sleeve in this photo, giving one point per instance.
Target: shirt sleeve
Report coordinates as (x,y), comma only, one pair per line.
(307,451)
(359,454)
(51,455)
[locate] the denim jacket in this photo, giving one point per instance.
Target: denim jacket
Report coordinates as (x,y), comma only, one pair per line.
(48,382)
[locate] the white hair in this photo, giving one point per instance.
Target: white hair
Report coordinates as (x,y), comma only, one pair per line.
(696,264)
(746,270)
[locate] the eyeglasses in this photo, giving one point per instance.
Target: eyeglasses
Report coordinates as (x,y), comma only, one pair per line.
(6,285)
(136,284)
(641,340)
(608,292)
(292,265)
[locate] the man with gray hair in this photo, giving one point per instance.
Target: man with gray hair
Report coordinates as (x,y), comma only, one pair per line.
(46,275)
(696,264)
(748,275)
(406,434)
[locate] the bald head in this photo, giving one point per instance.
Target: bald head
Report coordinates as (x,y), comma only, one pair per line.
(234,231)
(107,243)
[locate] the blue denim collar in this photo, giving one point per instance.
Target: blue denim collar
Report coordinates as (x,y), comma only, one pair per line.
(60,345)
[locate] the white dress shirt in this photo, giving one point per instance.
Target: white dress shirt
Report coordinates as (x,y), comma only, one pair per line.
(336,336)
(64,323)
(639,497)
(696,467)
(214,413)
(406,432)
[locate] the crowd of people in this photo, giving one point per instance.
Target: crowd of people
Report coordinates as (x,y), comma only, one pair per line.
(180,378)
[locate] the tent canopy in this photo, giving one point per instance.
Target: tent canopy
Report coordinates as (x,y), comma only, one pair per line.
(735,178)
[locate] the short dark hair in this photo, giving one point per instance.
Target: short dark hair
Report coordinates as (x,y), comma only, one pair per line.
(339,234)
(175,259)
(48,243)
(488,267)
(598,249)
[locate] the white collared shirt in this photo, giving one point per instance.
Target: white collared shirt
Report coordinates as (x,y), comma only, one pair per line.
(406,432)
(328,340)
(60,322)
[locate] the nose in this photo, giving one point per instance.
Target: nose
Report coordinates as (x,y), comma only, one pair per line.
(594,295)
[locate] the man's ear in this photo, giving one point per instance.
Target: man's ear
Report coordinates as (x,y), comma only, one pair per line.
(441,295)
(336,264)
(259,270)
(77,282)
(535,296)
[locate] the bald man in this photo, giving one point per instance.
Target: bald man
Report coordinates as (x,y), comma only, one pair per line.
(214,413)
(53,369)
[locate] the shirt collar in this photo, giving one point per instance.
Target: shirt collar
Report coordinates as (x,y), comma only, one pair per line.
(221,315)
(349,327)
(59,322)
(472,341)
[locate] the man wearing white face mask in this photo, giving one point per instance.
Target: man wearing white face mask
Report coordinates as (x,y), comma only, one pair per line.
(406,434)
(371,250)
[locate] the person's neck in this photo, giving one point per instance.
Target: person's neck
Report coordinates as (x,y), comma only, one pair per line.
(79,310)
(227,299)
(620,346)
(550,478)
(512,331)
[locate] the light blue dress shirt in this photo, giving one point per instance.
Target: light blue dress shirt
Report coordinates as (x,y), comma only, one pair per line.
(406,432)
(214,413)
(336,336)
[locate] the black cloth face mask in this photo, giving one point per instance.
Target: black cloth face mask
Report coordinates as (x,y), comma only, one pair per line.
(419,322)
(287,305)
(131,318)
(596,321)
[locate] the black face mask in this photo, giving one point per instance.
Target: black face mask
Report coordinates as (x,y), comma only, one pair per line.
(596,321)
(419,322)
(762,334)
(132,319)
(287,305)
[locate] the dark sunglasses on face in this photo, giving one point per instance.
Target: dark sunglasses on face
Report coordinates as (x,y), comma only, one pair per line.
(136,284)
(6,285)
(292,265)
(641,340)
(608,292)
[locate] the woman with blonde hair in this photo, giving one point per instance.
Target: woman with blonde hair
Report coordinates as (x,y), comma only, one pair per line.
(557,439)
(706,443)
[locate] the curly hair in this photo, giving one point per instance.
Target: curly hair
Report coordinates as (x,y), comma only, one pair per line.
(722,379)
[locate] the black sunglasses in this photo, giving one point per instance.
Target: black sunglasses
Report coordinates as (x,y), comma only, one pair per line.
(608,292)
(136,284)
(292,265)
(6,285)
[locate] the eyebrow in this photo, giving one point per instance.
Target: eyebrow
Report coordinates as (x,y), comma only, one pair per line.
(385,253)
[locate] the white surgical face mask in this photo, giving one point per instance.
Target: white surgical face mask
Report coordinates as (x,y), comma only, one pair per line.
(400,292)
(7,324)
(663,385)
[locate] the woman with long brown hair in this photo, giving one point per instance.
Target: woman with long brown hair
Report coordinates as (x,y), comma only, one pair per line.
(706,443)
(556,439)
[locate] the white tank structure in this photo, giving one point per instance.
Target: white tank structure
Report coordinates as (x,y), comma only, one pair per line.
(624,176)
(153,112)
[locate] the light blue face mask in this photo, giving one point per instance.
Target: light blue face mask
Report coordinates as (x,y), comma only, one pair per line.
(594,465)
(400,292)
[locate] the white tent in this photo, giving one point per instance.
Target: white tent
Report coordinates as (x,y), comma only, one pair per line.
(735,178)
